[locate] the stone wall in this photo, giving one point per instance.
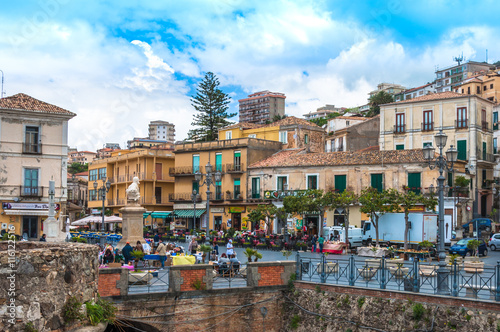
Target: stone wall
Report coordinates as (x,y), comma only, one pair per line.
(113,282)
(45,275)
(269,273)
(344,308)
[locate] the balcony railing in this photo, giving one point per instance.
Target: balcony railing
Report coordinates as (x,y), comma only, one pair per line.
(183,197)
(487,157)
(399,129)
(427,126)
(484,125)
(33,148)
(31,191)
(184,170)
(216,197)
(462,124)
(254,196)
(234,196)
(234,168)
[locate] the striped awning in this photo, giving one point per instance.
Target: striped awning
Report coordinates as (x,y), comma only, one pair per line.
(161,214)
(188,213)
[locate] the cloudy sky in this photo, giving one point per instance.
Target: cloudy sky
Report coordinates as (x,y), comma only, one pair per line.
(121,64)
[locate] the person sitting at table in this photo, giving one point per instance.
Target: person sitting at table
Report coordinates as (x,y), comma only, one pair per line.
(108,255)
(235,263)
(126,251)
(223,259)
(223,264)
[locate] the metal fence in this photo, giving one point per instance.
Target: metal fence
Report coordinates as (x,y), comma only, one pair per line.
(460,280)
(148,280)
(230,276)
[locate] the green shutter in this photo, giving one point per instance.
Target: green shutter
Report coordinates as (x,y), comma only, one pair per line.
(196,186)
(400,147)
(484,150)
(236,182)
(495,120)
(450,184)
(340,182)
(414,182)
(462,150)
(196,163)
(237,154)
(376,180)
(218,162)
(255,187)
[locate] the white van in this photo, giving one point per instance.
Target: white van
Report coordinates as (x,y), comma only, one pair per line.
(355,235)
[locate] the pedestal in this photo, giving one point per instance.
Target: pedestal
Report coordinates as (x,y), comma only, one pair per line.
(132,225)
(52,228)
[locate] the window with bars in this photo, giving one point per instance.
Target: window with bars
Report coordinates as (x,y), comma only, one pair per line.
(312,182)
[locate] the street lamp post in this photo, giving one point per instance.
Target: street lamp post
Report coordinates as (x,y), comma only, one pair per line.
(104,189)
(441,163)
(285,187)
(209,180)
(193,197)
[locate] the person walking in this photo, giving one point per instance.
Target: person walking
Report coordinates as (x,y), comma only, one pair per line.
(193,245)
(321,240)
(230,248)
(314,240)
(162,252)
(127,252)
(156,240)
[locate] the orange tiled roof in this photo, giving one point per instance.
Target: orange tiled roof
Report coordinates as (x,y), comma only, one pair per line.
(351,118)
(296,157)
(432,96)
(244,125)
(417,88)
(22,101)
(288,121)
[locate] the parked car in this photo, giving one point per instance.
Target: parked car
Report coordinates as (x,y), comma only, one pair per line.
(484,224)
(494,242)
(461,249)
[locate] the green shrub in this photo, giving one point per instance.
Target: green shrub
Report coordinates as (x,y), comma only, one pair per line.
(295,322)
(109,310)
(29,327)
(418,311)
(71,310)
(198,284)
(318,289)
(361,301)
(95,313)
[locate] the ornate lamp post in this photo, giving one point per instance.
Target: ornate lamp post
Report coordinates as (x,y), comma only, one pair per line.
(194,197)
(209,180)
(441,163)
(285,188)
(104,189)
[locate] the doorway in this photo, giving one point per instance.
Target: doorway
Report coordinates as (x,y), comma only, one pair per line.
(158,195)
(236,219)
(312,225)
(484,199)
(30,226)
(159,171)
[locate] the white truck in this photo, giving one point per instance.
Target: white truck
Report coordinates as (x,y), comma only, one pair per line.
(423,227)
(338,232)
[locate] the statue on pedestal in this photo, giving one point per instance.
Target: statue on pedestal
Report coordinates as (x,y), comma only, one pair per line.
(132,191)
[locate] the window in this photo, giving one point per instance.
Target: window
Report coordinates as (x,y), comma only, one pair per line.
(284,137)
(400,146)
(195,186)
(252,135)
(400,123)
(196,163)
(306,139)
(347,123)
(491,86)
(341,144)
(414,183)
(484,150)
(376,182)
(218,190)
(255,187)
(236,188)
(281,182)
(31,140)
(229,134)
(484,123)
(478,89)
(462,150)
(495,145)
(31,182)
(218,162)
(484,88)
(93,175)
(237,160)
(468,90)
(312,181)
(495,120)
(428,124)
(461,117)
(340,182)
(102,173)
(92,195)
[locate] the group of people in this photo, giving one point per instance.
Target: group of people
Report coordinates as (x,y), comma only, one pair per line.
(315,241)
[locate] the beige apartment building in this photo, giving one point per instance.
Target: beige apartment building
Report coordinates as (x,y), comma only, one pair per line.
(34,151)
(261,107)
(465,119)
(289,171)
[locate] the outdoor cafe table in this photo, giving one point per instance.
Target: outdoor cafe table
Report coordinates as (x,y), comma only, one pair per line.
(332,247)
(183,260)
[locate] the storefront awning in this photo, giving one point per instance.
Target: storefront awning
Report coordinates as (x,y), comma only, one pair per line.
(161,215)
(146,214)
(188,213)
(27,212)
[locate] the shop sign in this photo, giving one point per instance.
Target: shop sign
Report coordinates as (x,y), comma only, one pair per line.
(27,206)
(199,206)
(217,210)
(236,209)
(280,194)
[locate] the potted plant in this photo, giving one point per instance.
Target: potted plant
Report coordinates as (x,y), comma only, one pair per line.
(367,272)
(261,246)
(249,252)
(286,253)
(399,271)
(137,255)
(426,246)
(301,246)
(473,264)
(205,249)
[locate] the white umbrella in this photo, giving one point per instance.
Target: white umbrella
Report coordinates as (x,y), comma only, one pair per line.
(96,220)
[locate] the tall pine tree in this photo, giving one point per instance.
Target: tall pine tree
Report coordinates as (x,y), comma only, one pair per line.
(211,104)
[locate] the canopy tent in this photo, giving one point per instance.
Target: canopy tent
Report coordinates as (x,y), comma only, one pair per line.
(96,220)
(162,214)
(188,213)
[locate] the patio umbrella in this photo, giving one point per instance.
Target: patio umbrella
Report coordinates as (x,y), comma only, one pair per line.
(96,220)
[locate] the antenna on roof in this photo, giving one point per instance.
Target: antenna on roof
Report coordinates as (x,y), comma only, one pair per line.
(486,56)
(459,59)
(1,91)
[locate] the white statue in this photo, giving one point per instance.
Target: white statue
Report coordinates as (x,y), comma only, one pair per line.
(133,190)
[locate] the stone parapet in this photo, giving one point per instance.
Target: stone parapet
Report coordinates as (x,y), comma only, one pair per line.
(113,282)
(269,273)
(185,277)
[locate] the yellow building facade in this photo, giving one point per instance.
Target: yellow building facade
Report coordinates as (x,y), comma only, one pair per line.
(229,198)
(149,165)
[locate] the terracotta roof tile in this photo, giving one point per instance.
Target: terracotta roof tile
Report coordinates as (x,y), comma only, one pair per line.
(288,121)
(243,125)
(22,101)
(432,96)
(297,157)
(417,88)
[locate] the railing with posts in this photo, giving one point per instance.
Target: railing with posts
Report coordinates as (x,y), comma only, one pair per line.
(32,148)
(184,170)
(235,168)
(462,124)
(254,195)
(427,126)
(484,125)
(487,157)
(234,196)
(399,129)
(182,197)
(217,196)
(31,191)
(461,280)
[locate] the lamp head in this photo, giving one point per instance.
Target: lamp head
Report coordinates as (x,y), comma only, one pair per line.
(108,185)
(452,154)
(208,168)
(440,139)
(431,188)
(428,152)
(218,176)
(197,176)
(194,192)
(95,185)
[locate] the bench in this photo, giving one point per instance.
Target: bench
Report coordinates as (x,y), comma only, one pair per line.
(471,290)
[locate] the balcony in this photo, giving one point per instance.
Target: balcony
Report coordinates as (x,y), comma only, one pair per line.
(462,124)
(216,197)
(254,196)
(488,157)
(399,129)
(234,196)
(234,168)
(31,191)
(484,126)
(427,126)
(184,170)
(182,198)
(32,148)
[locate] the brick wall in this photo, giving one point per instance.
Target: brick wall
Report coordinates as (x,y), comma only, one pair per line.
(113,282)
(182,277)
(270,275)
(192,276)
